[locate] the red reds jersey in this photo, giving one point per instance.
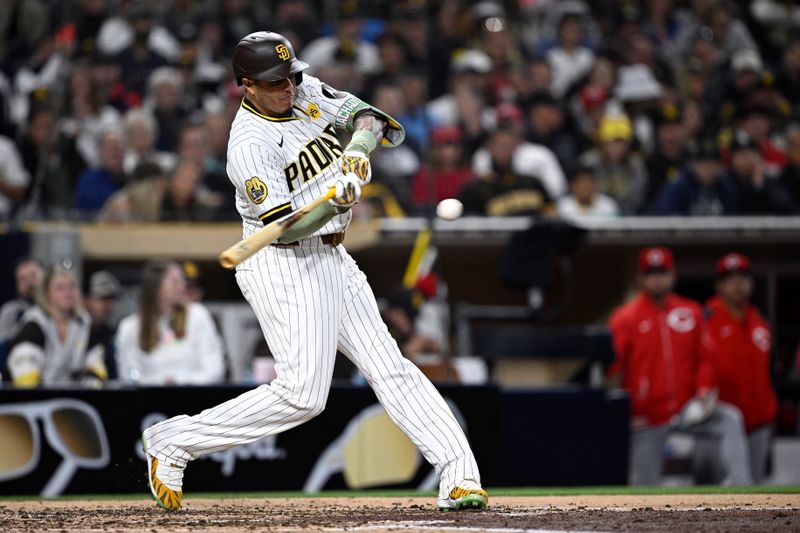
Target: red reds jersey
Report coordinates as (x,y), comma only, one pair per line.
(741,349)
(662,354)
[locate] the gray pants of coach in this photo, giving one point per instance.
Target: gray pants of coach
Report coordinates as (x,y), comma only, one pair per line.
(724,424)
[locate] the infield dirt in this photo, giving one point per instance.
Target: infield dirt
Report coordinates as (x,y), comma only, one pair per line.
(672,513)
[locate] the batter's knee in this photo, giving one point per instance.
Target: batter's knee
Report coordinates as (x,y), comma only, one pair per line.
(310,407)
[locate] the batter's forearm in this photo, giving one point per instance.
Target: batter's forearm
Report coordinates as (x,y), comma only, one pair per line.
(310,223)
(368,133)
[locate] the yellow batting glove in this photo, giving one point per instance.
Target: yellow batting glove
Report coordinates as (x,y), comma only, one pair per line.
(355,162)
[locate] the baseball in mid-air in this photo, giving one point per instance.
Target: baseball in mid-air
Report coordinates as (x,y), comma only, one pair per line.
(449,209)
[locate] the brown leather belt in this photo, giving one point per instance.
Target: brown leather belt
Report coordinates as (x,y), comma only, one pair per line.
(332,239)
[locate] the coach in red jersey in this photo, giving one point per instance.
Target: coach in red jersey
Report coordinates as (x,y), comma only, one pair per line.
(663,354)
(742,343)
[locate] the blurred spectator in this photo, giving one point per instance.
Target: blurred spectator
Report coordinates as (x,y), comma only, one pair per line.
(528,159)
(620,172)
(755,120)
(584,201)
(791,172)
(465,102)
(90,115)
(165,89)
(641,94)
(662,352)
(22,24)
(448,170)
(569,59)
(52,162)
(714,20)
(185,198)
(54,345)
(640,50)
(392,55)
(547,125)
(101,300)
(497,42)
(500,190)
(138,59)
(742,345)
(141,132)
(400,316)
(531,77)
(168,341)
(44,70)
(346,45)
(394,168)
(28,275)
(588,104)
(702,189)
(665,162)
(756,193)
(14,179)
(137,22)
(788,76)
(140,200)
(661,24)
(414,118)
(96,185)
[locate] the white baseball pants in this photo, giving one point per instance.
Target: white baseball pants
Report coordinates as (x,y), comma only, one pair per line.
(310,300)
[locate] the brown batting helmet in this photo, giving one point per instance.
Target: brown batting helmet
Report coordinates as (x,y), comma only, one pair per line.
(266,55)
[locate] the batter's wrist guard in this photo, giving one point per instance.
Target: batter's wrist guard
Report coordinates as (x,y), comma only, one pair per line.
(393,132)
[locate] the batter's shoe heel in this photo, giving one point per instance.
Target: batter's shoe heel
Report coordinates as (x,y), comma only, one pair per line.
(165,481)
(463,499)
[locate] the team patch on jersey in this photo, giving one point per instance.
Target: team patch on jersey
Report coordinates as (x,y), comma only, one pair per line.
(313,111)
(256,190)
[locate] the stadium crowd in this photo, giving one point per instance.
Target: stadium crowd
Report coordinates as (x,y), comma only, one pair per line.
(119,109)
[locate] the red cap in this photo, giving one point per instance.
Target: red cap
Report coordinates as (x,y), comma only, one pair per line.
(730,263)
(446,134)
(507,112)
(656,258)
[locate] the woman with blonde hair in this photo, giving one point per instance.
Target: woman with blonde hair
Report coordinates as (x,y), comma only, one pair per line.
(54,345)
(168,340)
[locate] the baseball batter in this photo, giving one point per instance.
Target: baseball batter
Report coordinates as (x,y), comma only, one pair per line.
(308,293)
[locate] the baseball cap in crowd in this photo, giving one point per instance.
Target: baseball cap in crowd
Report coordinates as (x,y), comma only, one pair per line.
(615,127)
(473,61)
(656,259)
(446,135)
(747,60)
(636,83)
(509,113)
(104,284)
(733,263)
(592,97)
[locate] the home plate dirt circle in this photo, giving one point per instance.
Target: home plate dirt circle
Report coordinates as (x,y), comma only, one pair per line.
(704,512)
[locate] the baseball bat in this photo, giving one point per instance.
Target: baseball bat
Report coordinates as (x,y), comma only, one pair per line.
(266,235)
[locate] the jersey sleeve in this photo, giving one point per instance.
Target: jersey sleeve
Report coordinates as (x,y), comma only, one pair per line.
(335,106)
(257,173)
(26,357)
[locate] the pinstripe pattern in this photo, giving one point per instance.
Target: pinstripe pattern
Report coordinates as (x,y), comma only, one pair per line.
(310,300)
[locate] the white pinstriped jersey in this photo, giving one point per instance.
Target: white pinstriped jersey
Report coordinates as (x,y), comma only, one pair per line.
(280,164)
(310,300)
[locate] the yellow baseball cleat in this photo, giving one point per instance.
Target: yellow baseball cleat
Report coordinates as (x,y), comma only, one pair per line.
(464,499)
(166,482)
